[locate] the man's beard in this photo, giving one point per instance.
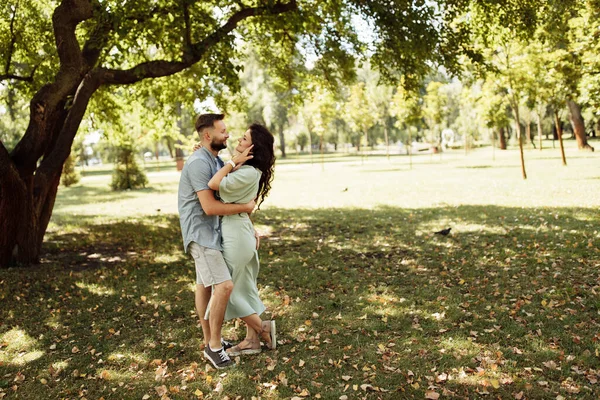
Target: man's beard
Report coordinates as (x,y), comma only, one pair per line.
(216,146)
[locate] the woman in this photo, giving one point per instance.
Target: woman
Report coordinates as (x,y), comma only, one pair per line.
(240,245)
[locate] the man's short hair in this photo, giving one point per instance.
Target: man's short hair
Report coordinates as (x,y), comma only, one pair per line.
(207,121)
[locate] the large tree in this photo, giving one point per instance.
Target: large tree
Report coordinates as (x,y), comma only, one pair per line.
(63,55)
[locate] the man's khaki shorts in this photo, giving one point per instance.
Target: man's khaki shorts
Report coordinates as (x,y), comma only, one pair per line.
(210,265)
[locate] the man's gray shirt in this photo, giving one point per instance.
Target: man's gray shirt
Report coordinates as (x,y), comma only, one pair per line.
(196,226)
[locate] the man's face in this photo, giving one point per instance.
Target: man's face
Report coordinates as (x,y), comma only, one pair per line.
(218,135)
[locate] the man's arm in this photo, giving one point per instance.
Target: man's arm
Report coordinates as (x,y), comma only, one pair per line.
(212,206)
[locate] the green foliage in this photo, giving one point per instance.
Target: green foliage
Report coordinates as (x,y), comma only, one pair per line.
(127,174)
(70,176)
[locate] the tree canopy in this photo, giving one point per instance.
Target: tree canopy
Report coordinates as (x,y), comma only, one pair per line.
(63,61)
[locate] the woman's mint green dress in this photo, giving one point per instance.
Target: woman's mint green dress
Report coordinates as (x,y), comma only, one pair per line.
(239,243)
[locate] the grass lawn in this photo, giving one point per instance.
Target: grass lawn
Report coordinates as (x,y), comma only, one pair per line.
(369,302)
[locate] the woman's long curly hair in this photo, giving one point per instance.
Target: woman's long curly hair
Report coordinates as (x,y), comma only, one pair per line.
(263,158)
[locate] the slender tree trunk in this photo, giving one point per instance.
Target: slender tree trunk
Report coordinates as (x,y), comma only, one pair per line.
(539,129)
(520,140)
(169,142)
(502,137)
(597,128)
(409,147)
(578,126)
(559,134)
(365,146)
(281,141)
(310,145)
(529,136)
(387,142)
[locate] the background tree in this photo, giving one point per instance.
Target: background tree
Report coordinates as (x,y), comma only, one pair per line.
(435,111)
(70,175)
(360,114)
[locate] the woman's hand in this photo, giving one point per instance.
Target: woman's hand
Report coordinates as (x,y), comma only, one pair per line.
(197,146)
(257,236)
(241,158)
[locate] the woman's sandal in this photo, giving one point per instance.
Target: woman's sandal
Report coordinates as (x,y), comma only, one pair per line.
(238,351)
(270,334)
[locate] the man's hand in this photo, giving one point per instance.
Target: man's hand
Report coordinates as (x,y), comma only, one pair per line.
(257,236)
(250,206)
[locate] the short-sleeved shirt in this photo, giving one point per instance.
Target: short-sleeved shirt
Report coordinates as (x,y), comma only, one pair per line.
(196,226)
(240,186)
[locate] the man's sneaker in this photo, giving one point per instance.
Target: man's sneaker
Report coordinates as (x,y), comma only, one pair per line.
(219,359)
(226,345)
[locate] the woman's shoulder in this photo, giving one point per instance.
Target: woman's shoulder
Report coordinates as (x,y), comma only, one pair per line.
(249,170)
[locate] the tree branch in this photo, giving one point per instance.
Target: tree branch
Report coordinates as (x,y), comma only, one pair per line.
(13,39)
(160,68)
(65,19)
(9,54)
(49,101)
(187,39)
(17,77)
(55,156)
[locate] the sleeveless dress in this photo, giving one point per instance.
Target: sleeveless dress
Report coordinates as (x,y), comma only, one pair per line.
(239,243)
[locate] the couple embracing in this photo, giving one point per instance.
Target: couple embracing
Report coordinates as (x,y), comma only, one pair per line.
(225,251)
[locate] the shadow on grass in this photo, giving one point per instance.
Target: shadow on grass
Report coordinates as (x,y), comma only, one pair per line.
(81,195)
(99,171)
(365,294)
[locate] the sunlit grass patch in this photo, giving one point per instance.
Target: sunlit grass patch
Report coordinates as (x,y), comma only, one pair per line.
(18,348)
(96,289)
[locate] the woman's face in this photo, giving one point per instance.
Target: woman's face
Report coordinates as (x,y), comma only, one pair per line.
(244,142)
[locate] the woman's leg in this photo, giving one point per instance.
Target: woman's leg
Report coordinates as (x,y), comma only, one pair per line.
(257,328)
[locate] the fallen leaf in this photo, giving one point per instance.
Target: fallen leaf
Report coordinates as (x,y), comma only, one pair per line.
(430,394)
(161,390)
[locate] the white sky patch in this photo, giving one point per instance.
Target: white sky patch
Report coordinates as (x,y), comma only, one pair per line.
(206,106)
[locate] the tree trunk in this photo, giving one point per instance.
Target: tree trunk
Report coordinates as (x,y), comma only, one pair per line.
(539,129)
(502,138)
(597,128)
(387,142)
(520,140)
(26,203)
(560,140)
(281,141)
(169,142)
(529,136)
(578,126)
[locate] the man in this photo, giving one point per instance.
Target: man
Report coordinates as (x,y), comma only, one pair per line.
(199,213)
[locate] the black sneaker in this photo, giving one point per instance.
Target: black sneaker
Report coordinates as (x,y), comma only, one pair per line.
(219,359)
(226,345)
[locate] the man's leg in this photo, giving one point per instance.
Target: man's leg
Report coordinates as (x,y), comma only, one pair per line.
(220,297)
(202,299)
